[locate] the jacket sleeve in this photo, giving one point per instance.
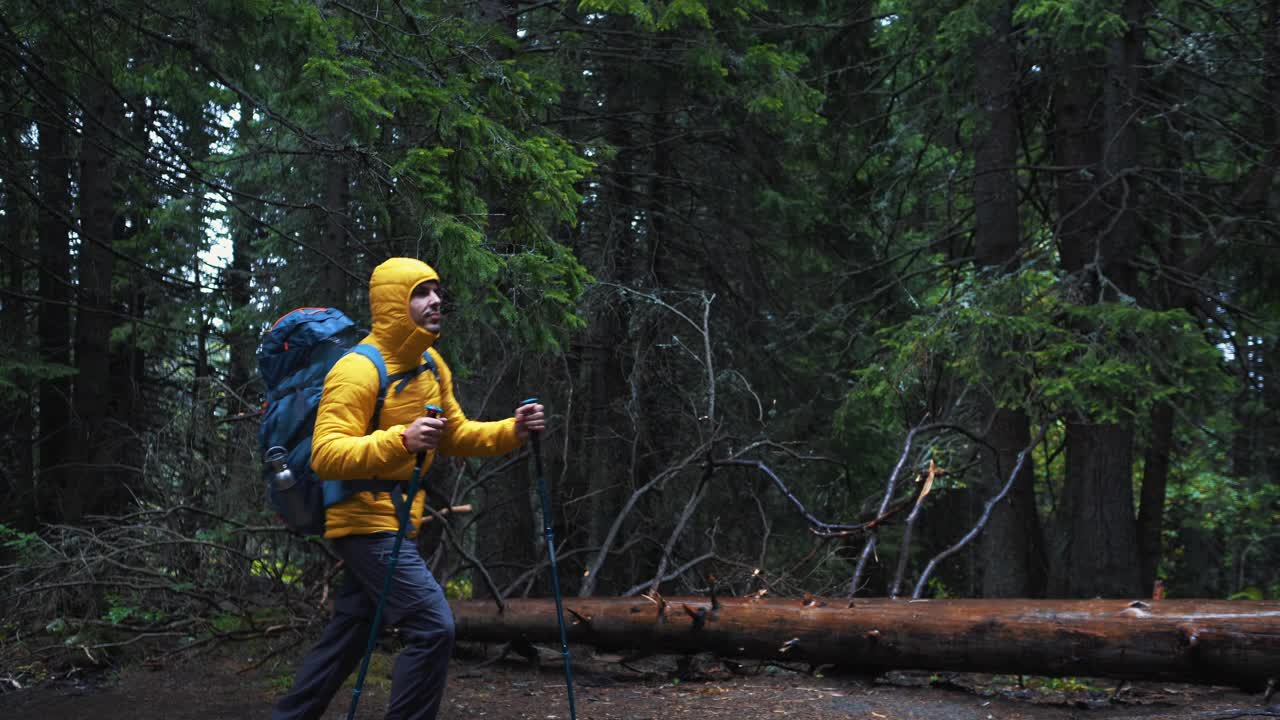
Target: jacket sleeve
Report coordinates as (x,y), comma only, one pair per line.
(340,447)
(466,437)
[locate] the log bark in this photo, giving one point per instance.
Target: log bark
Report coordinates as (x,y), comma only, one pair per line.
(1199,641)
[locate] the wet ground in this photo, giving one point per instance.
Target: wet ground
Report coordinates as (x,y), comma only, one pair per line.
(233,683)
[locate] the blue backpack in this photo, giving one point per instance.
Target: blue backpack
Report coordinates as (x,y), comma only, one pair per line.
(295,356)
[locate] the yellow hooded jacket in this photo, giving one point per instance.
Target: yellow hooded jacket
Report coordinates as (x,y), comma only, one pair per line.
(341,449)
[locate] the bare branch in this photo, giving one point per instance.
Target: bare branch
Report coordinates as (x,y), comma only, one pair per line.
(986,511)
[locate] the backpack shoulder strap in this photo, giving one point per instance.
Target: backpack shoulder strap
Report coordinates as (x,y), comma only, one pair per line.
(429,360)
(371,353)
(404,378)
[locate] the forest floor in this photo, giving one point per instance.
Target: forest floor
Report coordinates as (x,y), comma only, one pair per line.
(231,683)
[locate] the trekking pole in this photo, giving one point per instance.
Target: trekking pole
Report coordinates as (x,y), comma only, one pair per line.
(402,515)
(550,536)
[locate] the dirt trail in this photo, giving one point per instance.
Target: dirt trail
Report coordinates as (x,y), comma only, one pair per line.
(215,687)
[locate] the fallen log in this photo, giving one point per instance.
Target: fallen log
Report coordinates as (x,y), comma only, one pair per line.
(1199,641)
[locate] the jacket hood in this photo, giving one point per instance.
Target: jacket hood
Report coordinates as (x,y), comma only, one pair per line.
(394,330)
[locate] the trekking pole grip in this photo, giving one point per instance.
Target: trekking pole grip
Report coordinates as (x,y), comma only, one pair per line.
(535,437)
(431,411)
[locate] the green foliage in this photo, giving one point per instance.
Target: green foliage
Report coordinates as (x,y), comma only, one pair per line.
(281,682)
(121,609)
(937,589)
(1249,593)
(1073,24)
(812,165)
(19,542)
(682,12)
(428,170)
(271,567)
(1015,337)
(353,81)
(459,588)
(1210,506)
(773,90)
(19,376)
(1065,685)
(229,622)
(639,10)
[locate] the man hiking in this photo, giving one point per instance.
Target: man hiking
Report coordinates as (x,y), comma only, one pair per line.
(405,297)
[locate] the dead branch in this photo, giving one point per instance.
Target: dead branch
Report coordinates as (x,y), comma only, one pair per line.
(934,471)
(593,570)
(471,559)
(986,512)
(694,500)
(867,549)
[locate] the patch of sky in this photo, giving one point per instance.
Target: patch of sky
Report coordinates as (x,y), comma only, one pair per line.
(217,252)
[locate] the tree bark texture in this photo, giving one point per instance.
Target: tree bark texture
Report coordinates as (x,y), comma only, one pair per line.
(1014,562)
(97,433)
(1201,641)
(240,334)
(131,292)
(1271,401)
(17,468)
(1097,551)
(1096,546)
(614,257)
(998,235)
(53,168)
(1155,481)
(1012,543)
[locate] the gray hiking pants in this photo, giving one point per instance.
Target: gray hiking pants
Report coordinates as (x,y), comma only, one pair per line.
(415,604)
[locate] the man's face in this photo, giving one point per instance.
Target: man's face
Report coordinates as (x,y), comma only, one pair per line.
(425,306)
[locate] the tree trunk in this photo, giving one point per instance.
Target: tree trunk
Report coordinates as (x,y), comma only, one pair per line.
(1244,412)
(1013,553)
(241,335)
(1155,479)
(612,257)
(1099,549)
(17,476)
(1012,546)
(396,233)
(1096,549)
(238,276)
(1271,401)
(99,486)
(998,234)
(1202,641)
(54,184)
(129,358)
(510,524)
(337,199)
